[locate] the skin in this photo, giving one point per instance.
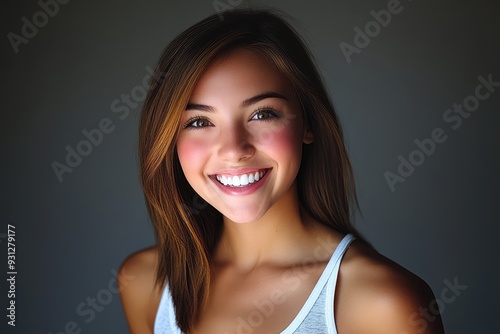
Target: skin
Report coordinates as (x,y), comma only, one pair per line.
(270,253)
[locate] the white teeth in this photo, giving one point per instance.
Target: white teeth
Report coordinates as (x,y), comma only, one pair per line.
(236,181)
(244,180)
(241,180)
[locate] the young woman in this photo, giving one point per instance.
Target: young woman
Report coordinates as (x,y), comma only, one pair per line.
(249,186)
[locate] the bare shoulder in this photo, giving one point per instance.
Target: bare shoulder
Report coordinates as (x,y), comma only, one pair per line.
(139,295)
(376,295)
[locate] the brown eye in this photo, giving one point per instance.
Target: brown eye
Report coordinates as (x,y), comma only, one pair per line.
(197,123)
(266,114)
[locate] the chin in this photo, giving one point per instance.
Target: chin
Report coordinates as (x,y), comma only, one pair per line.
(242,217)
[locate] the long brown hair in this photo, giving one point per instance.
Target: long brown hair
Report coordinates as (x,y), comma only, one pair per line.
(187,233)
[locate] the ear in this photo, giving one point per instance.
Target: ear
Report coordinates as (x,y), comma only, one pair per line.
(308,136)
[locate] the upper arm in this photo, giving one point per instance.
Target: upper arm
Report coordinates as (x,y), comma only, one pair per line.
(377,296)
(405,305)
(140,298)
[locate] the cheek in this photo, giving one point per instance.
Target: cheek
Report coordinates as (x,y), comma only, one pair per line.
(284,143)
(192,154)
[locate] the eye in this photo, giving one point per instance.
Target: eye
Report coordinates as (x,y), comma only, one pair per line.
(266,114)
(197,123)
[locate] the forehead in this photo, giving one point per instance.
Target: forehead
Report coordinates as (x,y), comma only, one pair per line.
(239,75)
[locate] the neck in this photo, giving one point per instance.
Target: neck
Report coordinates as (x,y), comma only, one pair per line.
(280,236)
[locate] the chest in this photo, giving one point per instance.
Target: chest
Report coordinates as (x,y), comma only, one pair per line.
(265,301)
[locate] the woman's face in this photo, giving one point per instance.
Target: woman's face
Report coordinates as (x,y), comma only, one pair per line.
(240,143)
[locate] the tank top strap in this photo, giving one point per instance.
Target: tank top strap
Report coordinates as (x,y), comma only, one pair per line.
(332,283)
(333,266)
(329,274)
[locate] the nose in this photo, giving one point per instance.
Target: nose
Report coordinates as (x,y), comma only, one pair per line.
(236,145)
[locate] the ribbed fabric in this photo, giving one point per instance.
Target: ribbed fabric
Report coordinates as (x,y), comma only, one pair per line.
(315,317)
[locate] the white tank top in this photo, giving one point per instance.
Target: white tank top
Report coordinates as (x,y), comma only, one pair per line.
(315,317)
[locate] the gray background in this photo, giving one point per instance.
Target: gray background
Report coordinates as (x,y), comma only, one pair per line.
(440,223)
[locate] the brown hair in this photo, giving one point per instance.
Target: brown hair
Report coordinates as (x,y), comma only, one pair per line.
(186,237)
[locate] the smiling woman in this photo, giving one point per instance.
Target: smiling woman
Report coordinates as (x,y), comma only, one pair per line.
(242,119)
(245,136)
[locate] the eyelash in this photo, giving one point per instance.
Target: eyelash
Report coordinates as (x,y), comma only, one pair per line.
(273,114)
(189,122)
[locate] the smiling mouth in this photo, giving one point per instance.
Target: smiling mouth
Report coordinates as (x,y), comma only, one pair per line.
(243,180)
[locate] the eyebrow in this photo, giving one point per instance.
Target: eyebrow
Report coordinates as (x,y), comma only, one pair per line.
(244,104)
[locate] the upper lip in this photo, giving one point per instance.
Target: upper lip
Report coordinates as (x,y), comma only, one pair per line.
(240,171)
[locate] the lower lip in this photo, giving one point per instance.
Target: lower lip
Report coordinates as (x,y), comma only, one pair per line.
(239,191)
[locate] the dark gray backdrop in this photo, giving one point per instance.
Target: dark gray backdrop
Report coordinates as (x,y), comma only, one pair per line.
(75,72)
